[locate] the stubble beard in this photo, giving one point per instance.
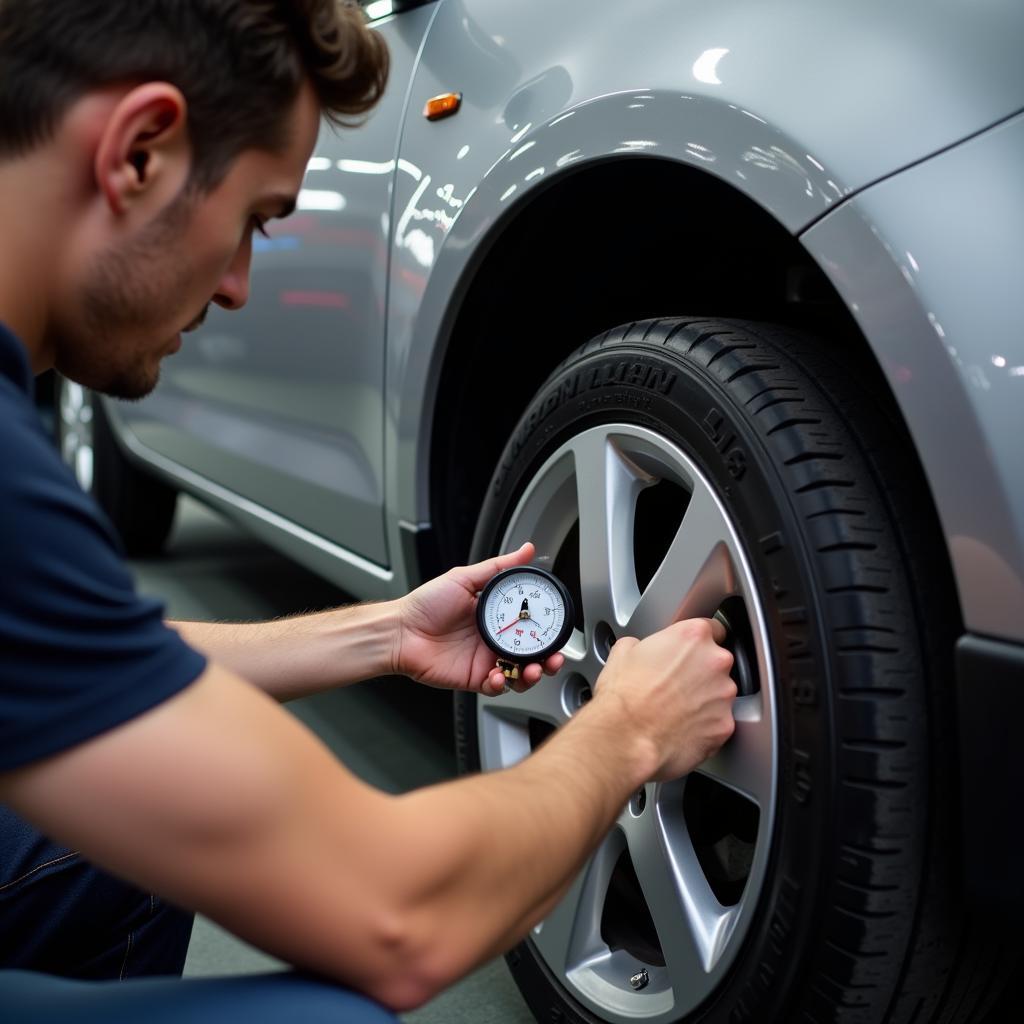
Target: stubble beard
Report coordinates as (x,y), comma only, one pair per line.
(129,296)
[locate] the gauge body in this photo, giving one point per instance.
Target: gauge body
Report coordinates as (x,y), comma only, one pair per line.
(525,614)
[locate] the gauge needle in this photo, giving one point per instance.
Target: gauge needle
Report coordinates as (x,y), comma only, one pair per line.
(515,622)
(524,614)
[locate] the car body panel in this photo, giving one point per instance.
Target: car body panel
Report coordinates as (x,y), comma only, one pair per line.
(811,110)
(931,263)
(282,402)
(540,104)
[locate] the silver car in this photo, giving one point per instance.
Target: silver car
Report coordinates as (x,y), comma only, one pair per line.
(721,304)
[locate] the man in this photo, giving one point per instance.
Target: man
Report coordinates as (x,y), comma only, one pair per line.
(141,144)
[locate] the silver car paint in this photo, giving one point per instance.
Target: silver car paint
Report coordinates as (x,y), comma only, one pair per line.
(931,263)
(283,401)
(798,105)
(562,97)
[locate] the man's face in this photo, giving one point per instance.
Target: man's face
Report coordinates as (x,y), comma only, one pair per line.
(136,297)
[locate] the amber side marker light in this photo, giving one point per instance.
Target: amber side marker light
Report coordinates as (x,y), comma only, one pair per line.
(442,106)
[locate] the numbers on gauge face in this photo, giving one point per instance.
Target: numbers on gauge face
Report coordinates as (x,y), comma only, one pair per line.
(524,614)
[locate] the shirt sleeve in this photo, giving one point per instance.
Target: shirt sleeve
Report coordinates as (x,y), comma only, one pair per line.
(80,651)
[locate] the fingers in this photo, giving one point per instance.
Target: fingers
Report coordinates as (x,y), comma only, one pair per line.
(510,559)
(700,628)
(531,673)
(621,646)
(481,572)
(554,664)
(495,684)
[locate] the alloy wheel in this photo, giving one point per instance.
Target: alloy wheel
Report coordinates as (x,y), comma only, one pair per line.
(655,919)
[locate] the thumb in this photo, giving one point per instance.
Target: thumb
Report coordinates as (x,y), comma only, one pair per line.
(480,573)
(621,646)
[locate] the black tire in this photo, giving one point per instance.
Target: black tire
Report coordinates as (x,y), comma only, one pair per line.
(861,916)
(140,506)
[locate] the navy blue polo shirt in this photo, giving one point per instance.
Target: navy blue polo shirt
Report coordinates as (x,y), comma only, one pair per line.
(80,651)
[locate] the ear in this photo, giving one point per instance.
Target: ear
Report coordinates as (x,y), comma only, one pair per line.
(143,156)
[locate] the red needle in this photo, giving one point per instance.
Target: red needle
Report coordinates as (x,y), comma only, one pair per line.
(514,622)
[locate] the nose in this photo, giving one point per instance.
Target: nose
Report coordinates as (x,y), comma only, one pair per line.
(233,289)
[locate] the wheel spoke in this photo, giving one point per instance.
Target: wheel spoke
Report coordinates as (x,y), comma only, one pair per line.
(745,762)
(696,574)
(687,917)
(546,511)
(606,491)
(504,721)
(575,650)
(543,700)
(571,934)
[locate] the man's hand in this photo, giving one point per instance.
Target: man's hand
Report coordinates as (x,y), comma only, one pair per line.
(438,642)
(675,688)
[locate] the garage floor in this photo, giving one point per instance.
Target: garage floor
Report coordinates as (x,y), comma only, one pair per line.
(392,733)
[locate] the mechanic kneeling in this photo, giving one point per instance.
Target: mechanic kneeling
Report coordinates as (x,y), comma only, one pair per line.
(140,145)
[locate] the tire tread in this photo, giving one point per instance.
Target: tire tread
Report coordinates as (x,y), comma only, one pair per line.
(896,936)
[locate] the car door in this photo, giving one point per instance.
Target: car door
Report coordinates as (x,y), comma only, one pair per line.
(281,403)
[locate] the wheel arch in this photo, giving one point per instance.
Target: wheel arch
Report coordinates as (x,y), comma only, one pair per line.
(692,244)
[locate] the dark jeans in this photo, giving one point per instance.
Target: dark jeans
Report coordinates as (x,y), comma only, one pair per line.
(59,916)
(27,998)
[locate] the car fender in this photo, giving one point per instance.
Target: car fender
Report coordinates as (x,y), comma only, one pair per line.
(797,107)
(931,264)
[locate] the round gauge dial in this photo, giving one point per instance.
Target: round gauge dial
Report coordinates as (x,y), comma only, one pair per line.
(525,614)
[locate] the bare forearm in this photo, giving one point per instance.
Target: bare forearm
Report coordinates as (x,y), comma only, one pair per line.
(294,657)
(216,795)
(515,840)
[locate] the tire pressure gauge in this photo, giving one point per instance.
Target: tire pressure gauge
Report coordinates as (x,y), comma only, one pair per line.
(524,614)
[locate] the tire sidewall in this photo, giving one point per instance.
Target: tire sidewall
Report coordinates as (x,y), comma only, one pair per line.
(679,399)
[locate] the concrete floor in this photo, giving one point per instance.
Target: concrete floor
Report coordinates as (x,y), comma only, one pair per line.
(390,732)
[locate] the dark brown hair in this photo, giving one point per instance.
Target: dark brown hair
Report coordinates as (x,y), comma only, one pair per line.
(239,63)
